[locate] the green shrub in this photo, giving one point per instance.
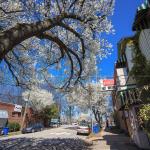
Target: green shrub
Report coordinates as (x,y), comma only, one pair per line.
(144,117)
(13,126)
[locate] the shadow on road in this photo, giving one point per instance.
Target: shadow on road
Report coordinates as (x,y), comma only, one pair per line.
(119,142)
(115,130)
(71,128)
(43,144)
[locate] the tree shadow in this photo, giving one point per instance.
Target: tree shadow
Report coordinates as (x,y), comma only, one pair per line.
(115,130)
(119,142)
(44,144)
(71,128)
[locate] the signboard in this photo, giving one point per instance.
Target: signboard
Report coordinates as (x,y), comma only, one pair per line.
(17,108)
(123,88)
(108,82)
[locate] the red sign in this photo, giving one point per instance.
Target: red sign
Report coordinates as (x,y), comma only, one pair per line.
(108,82)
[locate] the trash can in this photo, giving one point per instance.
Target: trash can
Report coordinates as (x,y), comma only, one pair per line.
(5,130)
(96,128)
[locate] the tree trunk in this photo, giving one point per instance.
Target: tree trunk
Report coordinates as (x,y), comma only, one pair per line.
(46,124)
(98,117)
(70,114)
(14,36)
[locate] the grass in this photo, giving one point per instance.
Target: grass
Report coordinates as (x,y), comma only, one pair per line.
(12,133)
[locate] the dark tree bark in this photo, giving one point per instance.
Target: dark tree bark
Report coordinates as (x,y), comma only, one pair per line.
(98,117)
(14,36)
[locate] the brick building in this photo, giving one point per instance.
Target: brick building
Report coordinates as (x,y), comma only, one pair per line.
(16,116)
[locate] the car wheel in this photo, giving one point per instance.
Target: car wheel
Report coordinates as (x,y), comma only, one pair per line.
(32,130)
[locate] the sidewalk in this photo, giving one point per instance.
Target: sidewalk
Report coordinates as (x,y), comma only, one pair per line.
(111,141)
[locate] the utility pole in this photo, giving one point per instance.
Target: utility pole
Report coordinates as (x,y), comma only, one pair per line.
(24,115)
(25,111)
(70,115)
(90,106)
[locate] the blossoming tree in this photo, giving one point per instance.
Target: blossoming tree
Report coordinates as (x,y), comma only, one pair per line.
(54,34)
(38,98)
(91,98)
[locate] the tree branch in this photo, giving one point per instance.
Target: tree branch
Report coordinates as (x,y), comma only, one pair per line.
(10,12)
(64,47)
(12,72)
(76,34)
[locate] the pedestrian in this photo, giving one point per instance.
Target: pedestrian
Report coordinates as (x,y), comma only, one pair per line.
(107,123)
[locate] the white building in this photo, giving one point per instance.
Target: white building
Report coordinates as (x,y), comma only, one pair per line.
(144,43)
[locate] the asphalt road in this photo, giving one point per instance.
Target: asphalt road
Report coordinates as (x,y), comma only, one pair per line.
(65,138)
(62,138)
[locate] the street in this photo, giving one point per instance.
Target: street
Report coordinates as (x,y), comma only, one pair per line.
(65,138)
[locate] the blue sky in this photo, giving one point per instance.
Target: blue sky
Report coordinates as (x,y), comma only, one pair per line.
(123,18)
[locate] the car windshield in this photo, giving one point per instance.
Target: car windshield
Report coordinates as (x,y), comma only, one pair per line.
(83,124)
(34,125)
(29,126)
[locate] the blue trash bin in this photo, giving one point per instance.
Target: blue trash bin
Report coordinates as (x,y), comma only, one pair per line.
(96,129)
(5,130)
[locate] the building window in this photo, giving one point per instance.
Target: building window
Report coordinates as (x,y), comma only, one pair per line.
(19,114)
(135,94)
(16,114)
(104,88)
(124,97)
(13,114)
(128,97)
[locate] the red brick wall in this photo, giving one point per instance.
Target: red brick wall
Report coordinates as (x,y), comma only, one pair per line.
(15,116)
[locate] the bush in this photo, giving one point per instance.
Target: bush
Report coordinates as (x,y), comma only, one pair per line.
(144,117)
(14,126)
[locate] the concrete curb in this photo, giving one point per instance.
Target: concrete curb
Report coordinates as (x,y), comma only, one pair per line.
(90,142)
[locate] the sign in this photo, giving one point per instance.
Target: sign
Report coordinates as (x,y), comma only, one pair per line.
(107,85)
(108,82)
(123,88)
(17,108)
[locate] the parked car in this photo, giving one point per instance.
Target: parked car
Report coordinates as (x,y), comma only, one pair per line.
(33,128)
(1,131)
(54,123)
(75,124)
(83,128)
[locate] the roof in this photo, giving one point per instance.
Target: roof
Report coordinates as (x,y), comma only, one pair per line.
(144,5)
(142,18)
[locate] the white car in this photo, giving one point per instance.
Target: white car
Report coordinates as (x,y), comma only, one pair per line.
(83,128)
(75,124)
